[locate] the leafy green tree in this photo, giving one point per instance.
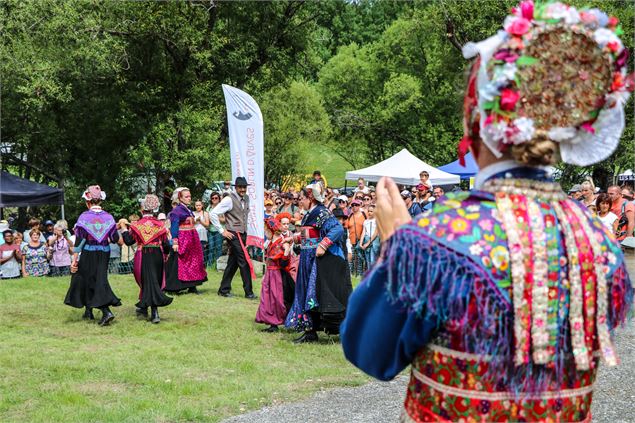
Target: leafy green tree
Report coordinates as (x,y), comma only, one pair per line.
(295,123)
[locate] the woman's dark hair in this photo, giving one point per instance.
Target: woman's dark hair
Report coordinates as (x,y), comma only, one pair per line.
(214,194)
(603,198)
(94,201)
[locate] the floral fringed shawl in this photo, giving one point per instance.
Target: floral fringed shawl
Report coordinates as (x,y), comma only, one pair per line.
(506,295)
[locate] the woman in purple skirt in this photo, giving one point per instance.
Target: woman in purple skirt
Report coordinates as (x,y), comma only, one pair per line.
(185,267)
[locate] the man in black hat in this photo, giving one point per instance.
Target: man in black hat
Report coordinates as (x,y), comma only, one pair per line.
(48,229)
(235,207)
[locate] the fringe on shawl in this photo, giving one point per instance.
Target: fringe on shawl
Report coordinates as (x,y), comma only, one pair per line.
(432,280)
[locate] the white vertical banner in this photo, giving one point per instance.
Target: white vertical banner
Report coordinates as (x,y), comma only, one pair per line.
(246,147)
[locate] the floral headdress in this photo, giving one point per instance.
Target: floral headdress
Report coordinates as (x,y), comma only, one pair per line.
(93,192)
(554,72)
(284,215)
(150,203)
(273,223)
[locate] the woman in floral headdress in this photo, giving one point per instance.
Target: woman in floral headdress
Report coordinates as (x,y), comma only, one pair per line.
(273,307)
(323,281)
(94,231)
(151,237)
(503,299)
(186,269)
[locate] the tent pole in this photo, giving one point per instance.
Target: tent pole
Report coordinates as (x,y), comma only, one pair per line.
(63,217)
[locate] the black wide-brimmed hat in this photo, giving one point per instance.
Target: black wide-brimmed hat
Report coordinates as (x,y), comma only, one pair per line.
(241,182)
(337,213)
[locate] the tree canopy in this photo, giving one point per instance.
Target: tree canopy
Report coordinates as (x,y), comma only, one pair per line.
(116,92)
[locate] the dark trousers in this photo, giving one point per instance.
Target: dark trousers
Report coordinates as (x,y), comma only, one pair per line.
(235,261)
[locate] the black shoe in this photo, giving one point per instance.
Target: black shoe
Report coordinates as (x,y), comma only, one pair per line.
(142,312)
(193,290)
(88,314)
(106,317)
(309,336)
(155,316)
(251,296)
(271,329)
(226,294)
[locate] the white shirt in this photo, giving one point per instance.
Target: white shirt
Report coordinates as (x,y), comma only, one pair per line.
(200,228)
(370,226)
(608,220)
(11,268)
(223,207)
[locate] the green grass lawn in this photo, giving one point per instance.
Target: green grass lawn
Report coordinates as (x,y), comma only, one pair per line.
(206,360)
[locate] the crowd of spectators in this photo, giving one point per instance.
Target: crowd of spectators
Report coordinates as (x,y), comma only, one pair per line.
(355,209)
(615,207)
(46,248)
(43,249)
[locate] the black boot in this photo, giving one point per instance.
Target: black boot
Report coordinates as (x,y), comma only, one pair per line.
(142,311)
(308,336)
(88,314)
(154,318)
(106,316)
(193,290)
(270,329)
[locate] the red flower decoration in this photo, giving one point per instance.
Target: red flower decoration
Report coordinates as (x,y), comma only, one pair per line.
(613,46)
(518,27)
(613,21)
(588,127)
(509,98)
(527,10)
(618,81)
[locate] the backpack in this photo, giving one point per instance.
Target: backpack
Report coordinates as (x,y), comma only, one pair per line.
(622,225)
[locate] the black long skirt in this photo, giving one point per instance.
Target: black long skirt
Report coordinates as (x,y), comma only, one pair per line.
(288,286)
(172,281)
(89,285)
(333,287)
(152,279)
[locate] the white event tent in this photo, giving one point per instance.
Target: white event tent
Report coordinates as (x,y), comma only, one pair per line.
(404,168)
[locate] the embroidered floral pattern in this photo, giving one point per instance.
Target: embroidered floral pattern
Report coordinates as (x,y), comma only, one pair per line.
(453,386)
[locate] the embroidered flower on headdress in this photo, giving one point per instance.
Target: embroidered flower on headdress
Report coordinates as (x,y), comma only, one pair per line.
(554,70)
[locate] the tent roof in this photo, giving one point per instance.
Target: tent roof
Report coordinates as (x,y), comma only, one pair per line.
(19,192)
(466,172)
(404,168)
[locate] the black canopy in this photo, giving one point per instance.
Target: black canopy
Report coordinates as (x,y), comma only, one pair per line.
(18,192)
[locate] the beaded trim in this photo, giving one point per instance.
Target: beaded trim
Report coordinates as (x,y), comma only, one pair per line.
(540,286)
(462,355)
(604,338)
(580,352)
(500,396)
(521,330)
(547,191)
